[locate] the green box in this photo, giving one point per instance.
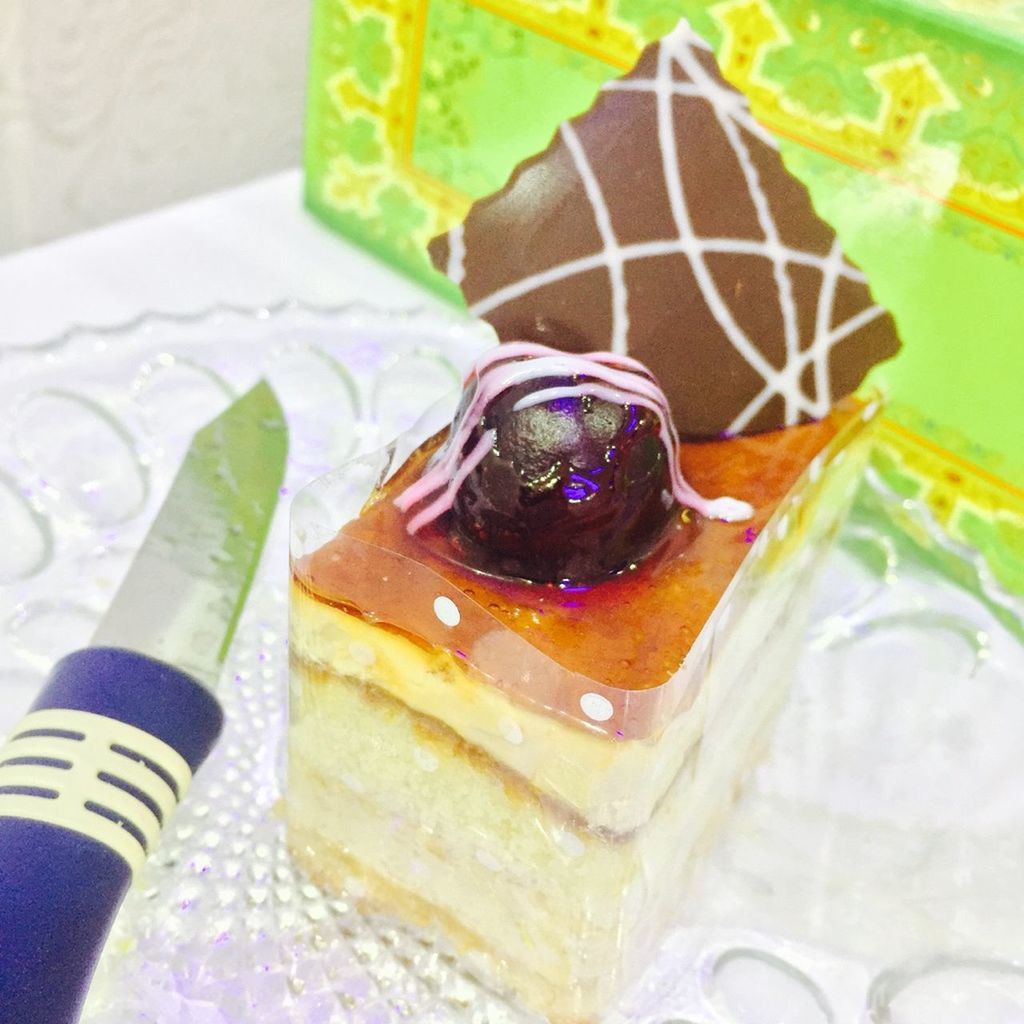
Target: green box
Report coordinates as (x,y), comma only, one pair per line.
(905,118)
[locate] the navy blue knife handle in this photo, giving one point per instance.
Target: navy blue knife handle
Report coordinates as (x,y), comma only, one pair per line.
(87,780)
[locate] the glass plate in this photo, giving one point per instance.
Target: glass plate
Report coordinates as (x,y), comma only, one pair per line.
(872,871)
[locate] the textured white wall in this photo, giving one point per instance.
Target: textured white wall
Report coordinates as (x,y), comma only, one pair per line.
(111,107)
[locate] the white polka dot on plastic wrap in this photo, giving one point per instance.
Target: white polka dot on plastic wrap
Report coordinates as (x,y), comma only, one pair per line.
(426,759)
(488,860)
(447,611)
(570,843)
(782,528)
(353,782)
(596,707)
(511,730)
(362,653)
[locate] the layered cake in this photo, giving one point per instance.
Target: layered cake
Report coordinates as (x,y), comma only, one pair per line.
(532,665)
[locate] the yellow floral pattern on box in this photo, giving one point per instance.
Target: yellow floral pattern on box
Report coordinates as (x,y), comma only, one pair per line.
(889,97)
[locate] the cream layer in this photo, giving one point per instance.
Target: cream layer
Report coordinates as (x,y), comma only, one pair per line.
(611,784)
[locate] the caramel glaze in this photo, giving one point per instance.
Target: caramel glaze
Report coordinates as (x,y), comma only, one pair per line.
(633,630)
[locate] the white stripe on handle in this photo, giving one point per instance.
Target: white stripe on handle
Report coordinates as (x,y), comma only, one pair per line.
(89,744)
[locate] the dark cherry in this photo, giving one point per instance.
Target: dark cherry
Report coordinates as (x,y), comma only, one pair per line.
(573,490)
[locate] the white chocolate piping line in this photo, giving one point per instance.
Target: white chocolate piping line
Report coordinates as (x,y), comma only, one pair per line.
(33,761)
(614,378)
(456,268)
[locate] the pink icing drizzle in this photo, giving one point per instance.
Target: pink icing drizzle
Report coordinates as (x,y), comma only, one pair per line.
(615,378)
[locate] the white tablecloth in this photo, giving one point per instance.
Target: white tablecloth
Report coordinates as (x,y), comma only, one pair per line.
(249,246)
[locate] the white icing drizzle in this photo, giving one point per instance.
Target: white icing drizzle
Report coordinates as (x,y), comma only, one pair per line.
(733,114)
(612,377)
(647,85)
(694,40)
(822,323)
(456,268)
(783,283)
(603,220)
(681,216)
(817,353)
(446,487)
(728,100)
(648,250)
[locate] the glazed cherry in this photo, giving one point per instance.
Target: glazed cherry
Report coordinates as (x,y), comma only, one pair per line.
(572,490)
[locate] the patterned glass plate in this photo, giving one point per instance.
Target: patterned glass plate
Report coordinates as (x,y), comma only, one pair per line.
(872,871)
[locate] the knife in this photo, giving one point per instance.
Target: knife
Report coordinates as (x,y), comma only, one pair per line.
(90,776)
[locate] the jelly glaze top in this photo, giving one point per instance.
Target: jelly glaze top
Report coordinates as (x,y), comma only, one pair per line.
(630,632)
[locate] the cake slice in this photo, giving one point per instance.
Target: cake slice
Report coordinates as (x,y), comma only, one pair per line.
(532,663)
(532,767)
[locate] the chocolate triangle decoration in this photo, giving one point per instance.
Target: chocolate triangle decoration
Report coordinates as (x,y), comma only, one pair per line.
(662,223)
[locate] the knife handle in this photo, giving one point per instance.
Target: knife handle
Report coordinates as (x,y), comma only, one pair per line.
(87,781)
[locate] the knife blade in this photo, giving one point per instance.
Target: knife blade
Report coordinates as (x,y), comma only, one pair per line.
(90,776)
(186,586)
